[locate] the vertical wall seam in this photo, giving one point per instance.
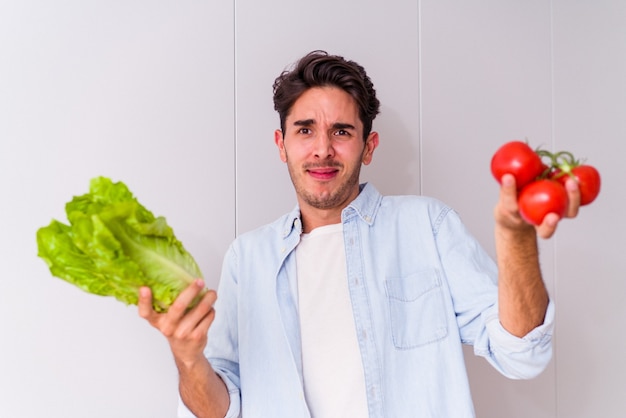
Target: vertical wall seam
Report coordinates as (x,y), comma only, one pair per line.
(420,147)
(555,242)
(235,133)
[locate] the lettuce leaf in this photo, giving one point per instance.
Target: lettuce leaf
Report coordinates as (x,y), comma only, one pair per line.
(113,245)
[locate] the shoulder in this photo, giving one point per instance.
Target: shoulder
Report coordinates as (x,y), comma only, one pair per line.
(371,204)
(415,205)
(270,234)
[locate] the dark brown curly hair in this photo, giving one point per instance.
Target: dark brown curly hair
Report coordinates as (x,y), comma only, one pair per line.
(319,69)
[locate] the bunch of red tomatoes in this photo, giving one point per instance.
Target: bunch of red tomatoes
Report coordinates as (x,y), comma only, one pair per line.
(540,177)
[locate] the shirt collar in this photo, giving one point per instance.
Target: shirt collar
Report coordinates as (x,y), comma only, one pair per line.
(365,206)
(292,223)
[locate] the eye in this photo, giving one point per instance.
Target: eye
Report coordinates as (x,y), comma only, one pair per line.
(304,131)
(342,132)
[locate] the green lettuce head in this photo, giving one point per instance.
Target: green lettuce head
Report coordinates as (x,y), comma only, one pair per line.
(113,246)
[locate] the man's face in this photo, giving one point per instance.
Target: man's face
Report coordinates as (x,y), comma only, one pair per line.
(323,147)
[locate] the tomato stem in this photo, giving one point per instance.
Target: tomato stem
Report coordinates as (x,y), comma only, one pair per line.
(557,164)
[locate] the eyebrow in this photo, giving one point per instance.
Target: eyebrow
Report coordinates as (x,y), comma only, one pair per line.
(340,125)
(336,125)
(304,122)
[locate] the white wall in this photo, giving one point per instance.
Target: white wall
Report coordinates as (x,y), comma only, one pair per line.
(174,98)
(141,91)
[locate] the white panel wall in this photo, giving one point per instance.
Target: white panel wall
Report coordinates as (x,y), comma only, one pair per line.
(175,100)
(486,77)
(140,91)
(590,118)
(271,38)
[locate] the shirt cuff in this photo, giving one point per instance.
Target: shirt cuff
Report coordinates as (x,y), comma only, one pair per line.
(511,343)
(234,408)
(233,393)
(515,357)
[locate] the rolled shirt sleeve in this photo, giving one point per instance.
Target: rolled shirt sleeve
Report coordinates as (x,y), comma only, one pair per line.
(516,357)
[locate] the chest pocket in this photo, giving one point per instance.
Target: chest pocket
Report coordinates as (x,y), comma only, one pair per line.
(417,309)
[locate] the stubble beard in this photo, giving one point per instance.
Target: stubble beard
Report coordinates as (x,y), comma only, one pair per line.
(326,200)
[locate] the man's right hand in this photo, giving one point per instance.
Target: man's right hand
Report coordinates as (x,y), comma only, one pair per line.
(186,330)
(201,389)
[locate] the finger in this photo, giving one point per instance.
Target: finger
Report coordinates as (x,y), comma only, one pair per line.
(573,194)
(196,315)
(548,225)
(506,211)
(198,331)
(209,298)
(182,302)
(508,192)
(144,303)
(202,328)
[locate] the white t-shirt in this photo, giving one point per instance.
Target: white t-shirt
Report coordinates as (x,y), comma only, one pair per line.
(334,383)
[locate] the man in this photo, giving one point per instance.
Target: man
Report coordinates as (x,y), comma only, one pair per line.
(355,304)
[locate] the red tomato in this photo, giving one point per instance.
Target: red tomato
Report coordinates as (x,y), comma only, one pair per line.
(588,179)
(541,197)
(519,159)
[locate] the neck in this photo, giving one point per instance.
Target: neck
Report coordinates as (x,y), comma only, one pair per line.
(314,218)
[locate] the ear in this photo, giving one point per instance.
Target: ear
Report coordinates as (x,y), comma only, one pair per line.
(279,140)
(370,145)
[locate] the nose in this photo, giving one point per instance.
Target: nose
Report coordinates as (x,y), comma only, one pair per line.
(323,146)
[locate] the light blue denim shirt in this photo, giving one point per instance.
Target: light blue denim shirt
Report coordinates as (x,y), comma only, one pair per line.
(420,286)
